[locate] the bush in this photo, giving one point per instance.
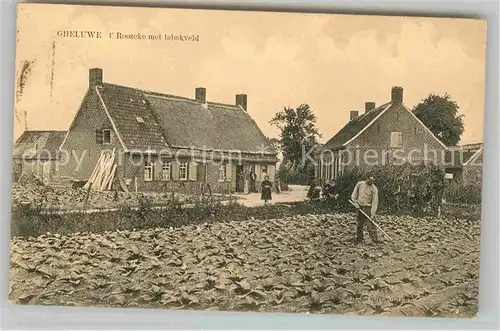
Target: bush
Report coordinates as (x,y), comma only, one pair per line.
(411,189)
(298,176)
(469,194)
(34,220)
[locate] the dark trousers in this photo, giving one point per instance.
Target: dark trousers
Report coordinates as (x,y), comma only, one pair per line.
(362,220)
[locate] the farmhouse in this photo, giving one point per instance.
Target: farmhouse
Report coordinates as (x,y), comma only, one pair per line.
(36,153)
(383,135)
(166,142)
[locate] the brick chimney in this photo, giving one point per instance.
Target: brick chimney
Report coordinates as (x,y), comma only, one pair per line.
(397,95)
(354,114)
(369,106)
(201,95)
(241,100)
(95,77)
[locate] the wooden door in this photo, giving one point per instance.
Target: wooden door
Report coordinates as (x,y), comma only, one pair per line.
(202,177)
(240,178)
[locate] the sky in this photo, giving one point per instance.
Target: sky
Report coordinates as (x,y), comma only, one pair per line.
(333,63)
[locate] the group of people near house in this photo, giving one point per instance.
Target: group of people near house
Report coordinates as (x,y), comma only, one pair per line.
(329,191)
(250,181)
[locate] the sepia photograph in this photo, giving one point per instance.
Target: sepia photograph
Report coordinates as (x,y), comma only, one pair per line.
(224,160)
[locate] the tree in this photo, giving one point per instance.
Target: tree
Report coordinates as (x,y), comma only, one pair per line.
(297,131)
(274,143)
(440,115)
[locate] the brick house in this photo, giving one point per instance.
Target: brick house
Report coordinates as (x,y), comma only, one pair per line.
(166,142)
(36,153)
(383,135)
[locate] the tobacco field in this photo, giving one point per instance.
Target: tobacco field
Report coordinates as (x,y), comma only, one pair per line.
(299,264)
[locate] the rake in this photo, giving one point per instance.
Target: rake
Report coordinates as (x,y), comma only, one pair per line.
(369,218)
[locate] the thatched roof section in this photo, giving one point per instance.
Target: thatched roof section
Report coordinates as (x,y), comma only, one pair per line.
(187,123)
(125,105)
(43,145)
(169,121)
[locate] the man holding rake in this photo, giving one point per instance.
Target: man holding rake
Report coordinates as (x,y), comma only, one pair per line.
(365,199)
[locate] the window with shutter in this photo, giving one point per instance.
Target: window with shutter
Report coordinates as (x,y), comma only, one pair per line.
(229,172)
(175,170)
(222,173)
(192,173)
(106,136)
(98,136)
(157,171)
(183,170)
(396,140)
(148,171)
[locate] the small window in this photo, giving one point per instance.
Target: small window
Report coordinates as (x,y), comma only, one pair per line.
(183,172)
(378,128)
(140,119)
(98,136)
(396,140)
(148,171)
(36,146)
(166,170)
(106,136)
(222,172)
(415,131)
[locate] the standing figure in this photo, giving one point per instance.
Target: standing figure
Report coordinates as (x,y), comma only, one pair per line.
(365,198)
(314,191)
(266,190)
(253,178)
(333,194)
(311,189)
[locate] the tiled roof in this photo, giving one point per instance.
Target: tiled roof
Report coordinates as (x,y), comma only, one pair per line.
(124,105)
(353,127)
(179,122)
(39,144)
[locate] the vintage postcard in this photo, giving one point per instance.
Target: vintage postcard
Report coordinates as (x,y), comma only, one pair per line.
(247,161)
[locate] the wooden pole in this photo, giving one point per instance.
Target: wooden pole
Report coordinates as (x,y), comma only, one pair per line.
(112,177)
(87,196)
(369,218)
(92,176)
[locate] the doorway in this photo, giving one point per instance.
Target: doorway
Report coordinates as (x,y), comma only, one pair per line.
(202,177)
(240,178)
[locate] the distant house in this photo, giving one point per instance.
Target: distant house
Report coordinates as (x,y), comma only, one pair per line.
(166,142)
(465,163)
(383,135)
(36,153)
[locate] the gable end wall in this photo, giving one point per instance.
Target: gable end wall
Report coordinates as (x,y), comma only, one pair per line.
(416,140)
(80,150)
